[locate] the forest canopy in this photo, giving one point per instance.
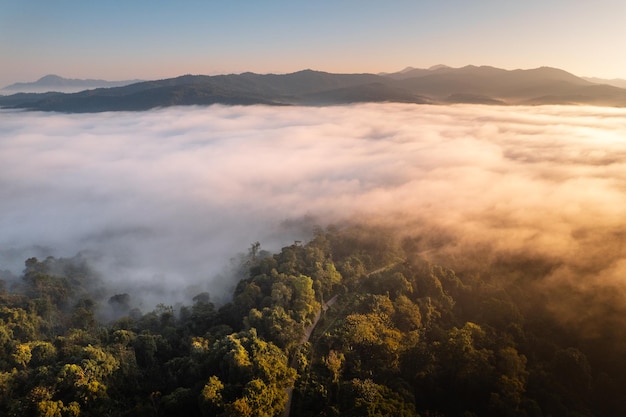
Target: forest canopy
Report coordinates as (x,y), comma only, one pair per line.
(356,322)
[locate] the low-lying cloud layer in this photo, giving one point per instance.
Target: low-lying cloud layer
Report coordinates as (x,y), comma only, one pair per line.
(169,196)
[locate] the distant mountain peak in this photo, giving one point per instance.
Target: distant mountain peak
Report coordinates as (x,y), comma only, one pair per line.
(616,82)
(50,77)
(438,67)
(54,82)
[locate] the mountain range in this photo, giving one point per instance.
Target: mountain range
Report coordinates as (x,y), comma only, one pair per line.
(616,82)
(59,84)
(435,85)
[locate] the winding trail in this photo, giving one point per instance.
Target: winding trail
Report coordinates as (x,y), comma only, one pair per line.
(309,330)
(305,338)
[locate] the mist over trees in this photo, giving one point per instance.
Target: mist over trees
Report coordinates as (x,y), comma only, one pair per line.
(477,269)
(395,331)
(163,199)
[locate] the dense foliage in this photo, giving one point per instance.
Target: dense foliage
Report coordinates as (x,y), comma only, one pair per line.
(392,335)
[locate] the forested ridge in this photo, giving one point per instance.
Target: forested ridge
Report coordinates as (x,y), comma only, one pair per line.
(441,84)
(404,337)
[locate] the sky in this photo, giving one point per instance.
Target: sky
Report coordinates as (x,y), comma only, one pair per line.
(120,40)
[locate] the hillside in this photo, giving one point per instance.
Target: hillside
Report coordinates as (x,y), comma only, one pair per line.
(439,84)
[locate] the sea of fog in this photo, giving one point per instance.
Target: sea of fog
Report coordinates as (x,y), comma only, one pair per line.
(166,198)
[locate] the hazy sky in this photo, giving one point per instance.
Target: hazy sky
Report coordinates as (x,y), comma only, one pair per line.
(156,39)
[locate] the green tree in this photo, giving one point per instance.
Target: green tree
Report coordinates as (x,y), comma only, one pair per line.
(254,375)
(211,400)
(366,398)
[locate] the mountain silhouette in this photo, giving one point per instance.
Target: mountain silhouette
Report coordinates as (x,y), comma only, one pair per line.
(436,85)
(57,83)
(616,82)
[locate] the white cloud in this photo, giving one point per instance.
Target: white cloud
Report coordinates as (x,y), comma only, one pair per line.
(172,194)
